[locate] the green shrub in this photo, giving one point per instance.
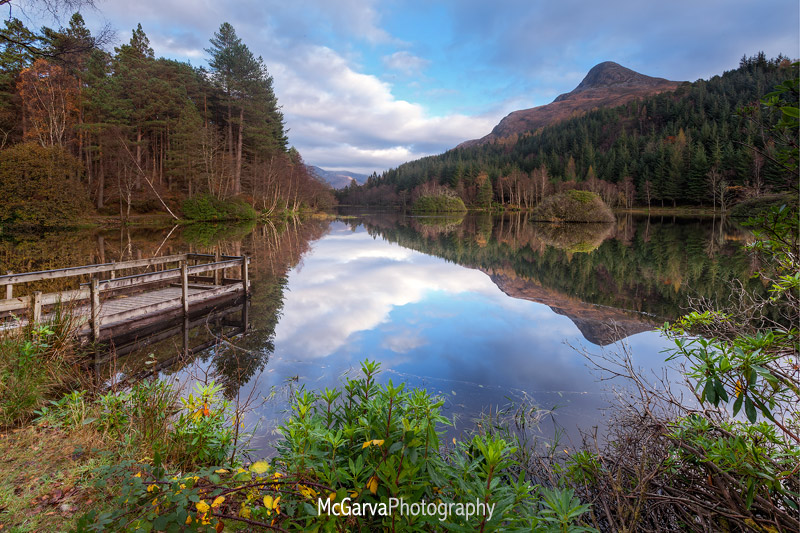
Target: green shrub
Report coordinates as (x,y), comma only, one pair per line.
(573,206)
(205,207)
(360,444)
(439,203)
(151,418)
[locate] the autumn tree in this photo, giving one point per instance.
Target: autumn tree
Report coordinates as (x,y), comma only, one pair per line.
(48,95)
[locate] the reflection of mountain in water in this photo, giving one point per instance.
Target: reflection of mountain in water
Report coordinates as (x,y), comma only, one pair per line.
(598,324)
(611,280)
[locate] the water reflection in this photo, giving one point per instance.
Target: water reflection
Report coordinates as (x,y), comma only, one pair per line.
(395,289)
(477,308)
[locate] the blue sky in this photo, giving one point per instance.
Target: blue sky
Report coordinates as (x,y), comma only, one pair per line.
(366,85)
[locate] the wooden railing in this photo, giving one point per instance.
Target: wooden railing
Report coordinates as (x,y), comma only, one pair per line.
(95,289)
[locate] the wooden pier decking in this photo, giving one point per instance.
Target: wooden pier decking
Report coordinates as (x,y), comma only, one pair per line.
(169,283)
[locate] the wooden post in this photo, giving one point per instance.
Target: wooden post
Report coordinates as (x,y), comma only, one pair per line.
(185,288)
(113,272)
(9,288)
(95,294)
(185,335)
(37,307)
(218,273)
(245,275)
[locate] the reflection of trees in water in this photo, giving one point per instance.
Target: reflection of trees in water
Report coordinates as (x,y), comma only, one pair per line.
(574,238)
(649,265)
(431,226)
(235,363)
(273,250)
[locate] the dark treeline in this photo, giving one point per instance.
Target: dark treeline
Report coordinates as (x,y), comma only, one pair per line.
(703,144)
(144,133)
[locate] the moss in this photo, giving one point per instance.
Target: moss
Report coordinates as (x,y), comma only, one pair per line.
(439,204)
(573,206)
(583,197)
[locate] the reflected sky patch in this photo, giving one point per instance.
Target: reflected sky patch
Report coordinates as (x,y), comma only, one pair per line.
(432,324)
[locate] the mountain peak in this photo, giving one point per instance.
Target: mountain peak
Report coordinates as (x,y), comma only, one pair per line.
(607,84)
(610,75)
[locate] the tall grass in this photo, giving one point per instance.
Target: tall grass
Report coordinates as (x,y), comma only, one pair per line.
(38,362)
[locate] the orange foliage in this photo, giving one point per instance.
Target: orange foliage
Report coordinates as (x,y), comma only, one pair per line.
(49,95)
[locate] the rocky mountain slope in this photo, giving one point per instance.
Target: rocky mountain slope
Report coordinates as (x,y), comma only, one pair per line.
(606,85)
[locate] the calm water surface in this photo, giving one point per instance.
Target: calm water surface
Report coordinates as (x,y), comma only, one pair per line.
(484,311)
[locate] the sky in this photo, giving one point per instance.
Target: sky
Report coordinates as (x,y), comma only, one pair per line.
(366,85)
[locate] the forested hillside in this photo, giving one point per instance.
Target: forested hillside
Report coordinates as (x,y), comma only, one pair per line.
(703,144)
(126,132)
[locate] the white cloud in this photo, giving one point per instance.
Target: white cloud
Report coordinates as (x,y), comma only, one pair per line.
(344,118)
(405,63)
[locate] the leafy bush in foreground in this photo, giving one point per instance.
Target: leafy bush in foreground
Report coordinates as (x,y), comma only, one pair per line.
(344,449)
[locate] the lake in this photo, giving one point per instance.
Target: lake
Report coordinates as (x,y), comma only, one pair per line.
(490,312)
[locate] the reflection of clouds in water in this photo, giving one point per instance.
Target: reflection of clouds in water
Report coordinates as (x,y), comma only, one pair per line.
(403,342)
(352,282)
(434,324)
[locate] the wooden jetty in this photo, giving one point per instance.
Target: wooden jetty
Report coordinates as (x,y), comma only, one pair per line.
(120,304)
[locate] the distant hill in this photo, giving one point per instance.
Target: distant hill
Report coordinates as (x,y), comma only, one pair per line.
(606,85)
(620,134)
(338,179)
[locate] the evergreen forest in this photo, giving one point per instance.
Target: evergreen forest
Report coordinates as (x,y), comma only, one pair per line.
(701,145)
(122,132)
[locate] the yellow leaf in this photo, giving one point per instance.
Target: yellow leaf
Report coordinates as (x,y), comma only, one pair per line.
(372,484)
(259,467)
(218,501)
(366,444)
(354,494)
(332,496)
(378,442)
(221,471)
(202,506)
(268,501)
(138,474)
(151,488)
(188,520)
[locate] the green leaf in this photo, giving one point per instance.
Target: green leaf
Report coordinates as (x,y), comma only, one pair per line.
(720,390)
(751,492)
(750,410)
(737,404)
(791,111)
(396,446)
